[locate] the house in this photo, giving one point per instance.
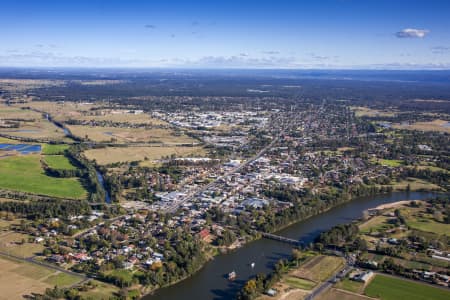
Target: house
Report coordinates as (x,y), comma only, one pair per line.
(39,239)
(204,234)
(127,265)
(363,277)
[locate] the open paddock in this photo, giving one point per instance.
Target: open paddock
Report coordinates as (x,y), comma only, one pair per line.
(111,155)
(319,268)
(25,173)
(435,125)
(393,288)
(333,294)
(127,135)
(17,244)
(18,278)
(123,117)
(361,111)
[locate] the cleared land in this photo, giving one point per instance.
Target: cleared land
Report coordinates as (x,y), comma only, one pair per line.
(102,291)
(350,285)
(17,244)
(110,155)
(390,162)
(361,111)
(415,184)
(11,113)
(436,125)
(126,135)
(390,288)
(420,220)
(333,294)
(319,268)
(299,283)
(38,129)
(19,278)
(49,149)
(61,111)
(24,173)
(59,162)
(124,118)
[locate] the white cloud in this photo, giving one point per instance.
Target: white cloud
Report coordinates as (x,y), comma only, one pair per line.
(412,33)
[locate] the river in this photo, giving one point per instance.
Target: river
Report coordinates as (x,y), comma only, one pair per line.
(101,180)
(211,283)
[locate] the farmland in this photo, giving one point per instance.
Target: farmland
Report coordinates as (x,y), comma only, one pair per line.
(25,173)
(333,294)
(121,154)
(320,268)
(390,288)
(435,125)
(127,135)
(19,278)
(17,244)
(59,162)
(49,149)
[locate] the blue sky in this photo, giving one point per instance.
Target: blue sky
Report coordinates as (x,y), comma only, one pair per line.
(226,34)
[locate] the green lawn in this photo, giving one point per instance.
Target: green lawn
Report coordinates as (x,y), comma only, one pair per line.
(391,162)
(49,149)
(350,285)
(428,225)
(24,173)
(59,162)
(62,279)
(299,283)
(389,288)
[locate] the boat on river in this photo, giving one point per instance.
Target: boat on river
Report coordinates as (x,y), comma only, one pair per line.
(232,275)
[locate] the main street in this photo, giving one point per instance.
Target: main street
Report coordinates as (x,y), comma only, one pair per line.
(175,206)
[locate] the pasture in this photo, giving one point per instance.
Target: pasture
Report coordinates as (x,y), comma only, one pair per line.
(49,149)
(435,125)
(110,155)
(18,279)
(25,173)
(391,288)
(333,294)
(129,135)
(17,244)
(59,162)
(319,268)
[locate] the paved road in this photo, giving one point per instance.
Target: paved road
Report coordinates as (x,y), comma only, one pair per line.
(329,283)
(197,192)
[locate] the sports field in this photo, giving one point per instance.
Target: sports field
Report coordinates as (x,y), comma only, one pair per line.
(391,288)
(25,173)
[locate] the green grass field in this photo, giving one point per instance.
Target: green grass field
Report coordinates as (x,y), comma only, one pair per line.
(59,162)
(350,285)
(24,173)
(428,225)
(299,283)
(62,279)
(390,288)
(391,162)
(49,149)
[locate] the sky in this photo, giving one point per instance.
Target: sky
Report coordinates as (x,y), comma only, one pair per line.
(315,34)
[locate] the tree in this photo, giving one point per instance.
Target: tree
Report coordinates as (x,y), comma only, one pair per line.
(296,255)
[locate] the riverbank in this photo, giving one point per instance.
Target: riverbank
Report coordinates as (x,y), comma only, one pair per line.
(210,281)
(395,204)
